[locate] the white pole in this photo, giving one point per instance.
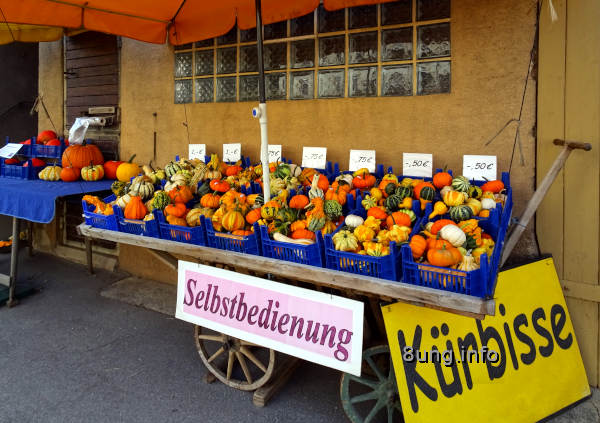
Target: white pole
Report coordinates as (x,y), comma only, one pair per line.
(264,150)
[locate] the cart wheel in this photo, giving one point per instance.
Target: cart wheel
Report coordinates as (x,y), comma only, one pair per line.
(374,396)
(220,353)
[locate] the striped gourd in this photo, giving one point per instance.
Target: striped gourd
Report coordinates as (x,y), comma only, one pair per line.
(460,183)
(460,213)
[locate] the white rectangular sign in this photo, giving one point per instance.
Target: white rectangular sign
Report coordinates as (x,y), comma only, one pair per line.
(315,157)
(9,150)
(479,167)
(315,326)
(196,151)
(274,153)
(417,164)
(360,159)
(232,152)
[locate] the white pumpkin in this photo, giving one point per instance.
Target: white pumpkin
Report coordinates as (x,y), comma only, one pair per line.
(295,170)
(453,234)
(488,204)
(346,177)
(123,200)
(353,220)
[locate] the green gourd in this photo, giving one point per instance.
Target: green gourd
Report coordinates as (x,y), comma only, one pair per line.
(392,203)
(161,200)
(332,209)
(460,183)
(171,169)
(427,193)
(460,213)
(404,192)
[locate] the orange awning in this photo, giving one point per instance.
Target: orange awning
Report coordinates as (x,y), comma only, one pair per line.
(183,21)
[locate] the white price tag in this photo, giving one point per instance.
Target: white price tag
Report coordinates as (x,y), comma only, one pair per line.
(9,150)
(480,167)
(360,159)
(417,164)
(196,151)
(232,152)
(274,153)
(315,157)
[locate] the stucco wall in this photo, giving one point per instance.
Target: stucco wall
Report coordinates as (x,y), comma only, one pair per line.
(491,42)
(50,81)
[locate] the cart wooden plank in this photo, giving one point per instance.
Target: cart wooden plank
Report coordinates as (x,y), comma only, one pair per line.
(387,290)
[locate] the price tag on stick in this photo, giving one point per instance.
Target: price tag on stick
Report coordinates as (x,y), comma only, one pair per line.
(360,159)
(232,152)
(417,164)
(9,150)
(196,151)
(480,167)
(274,153)
(315,157)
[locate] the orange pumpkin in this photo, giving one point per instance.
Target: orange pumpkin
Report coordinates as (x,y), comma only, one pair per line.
(77,155)
(70,174)
(174,220)
(233,170)
(303,234)
(299,201)
(493,186)
(219,185)
(442,179)
(135,209)
(341,184)
(298,224)
(45,136)
(378,213)
(444,256)
(323,182)
(306,176)
(398,218)
(177,210)
(364,181)
(338,195)
(418,245)
(181,194)
(241,232)
(210,201)
(233,220)
(253,216)
(439,224)
(110,168)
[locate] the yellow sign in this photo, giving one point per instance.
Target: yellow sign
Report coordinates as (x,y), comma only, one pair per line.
(521,365)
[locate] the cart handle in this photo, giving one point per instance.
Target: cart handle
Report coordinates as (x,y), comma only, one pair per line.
(574,145)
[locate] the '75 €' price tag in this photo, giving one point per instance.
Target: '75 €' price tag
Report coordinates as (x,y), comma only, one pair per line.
(479,167)
(417,164)
(360,159)
(232,152)
(274,153)
(315,157)
(197,151)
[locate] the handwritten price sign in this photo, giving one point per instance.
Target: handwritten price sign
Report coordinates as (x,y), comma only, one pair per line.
(360,159)
(417,164)
(480,167)
(274,153)
(232,152)
(315,157)
(9,150)
(197,151)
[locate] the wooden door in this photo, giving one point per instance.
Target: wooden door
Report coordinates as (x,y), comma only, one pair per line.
(91,81)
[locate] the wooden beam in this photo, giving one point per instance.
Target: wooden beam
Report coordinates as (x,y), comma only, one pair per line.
(444,300)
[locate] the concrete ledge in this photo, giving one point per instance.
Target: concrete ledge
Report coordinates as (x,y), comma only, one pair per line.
(153,295)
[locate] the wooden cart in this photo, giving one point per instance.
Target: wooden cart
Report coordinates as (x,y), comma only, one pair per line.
(246,366)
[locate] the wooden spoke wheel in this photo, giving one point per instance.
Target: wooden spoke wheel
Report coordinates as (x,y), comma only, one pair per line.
(373,397)
(236,363)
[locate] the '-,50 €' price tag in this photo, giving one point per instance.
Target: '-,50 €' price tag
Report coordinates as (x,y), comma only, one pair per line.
(274,153)
(417,164)
(480,167)
(360,159)
(232,152)
(196,151)
(315,157)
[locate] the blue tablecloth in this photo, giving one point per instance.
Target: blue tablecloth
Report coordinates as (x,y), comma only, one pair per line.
(36,200)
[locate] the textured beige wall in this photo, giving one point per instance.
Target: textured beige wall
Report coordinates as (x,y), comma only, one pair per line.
(490,46)
(51,84)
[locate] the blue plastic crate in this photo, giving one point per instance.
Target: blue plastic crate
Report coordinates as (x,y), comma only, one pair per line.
(387,267)
(29,172)
(190,235)
(98,220)
(136,227)
(249,244)
(48,151)
(312,254)
(25,149)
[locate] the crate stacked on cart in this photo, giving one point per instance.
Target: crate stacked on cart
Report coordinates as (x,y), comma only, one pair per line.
(479,282)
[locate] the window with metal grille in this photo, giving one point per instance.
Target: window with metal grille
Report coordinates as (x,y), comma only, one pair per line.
(400,48)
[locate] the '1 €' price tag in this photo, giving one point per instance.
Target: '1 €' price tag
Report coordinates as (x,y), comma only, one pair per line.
(360,159)
(274,153)
(479,167)
(417,164)
(197,151)
(232,152)
(315,157)
(9,150)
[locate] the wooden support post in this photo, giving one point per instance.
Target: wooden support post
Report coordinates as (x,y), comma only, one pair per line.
(88,254)
(281,375)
